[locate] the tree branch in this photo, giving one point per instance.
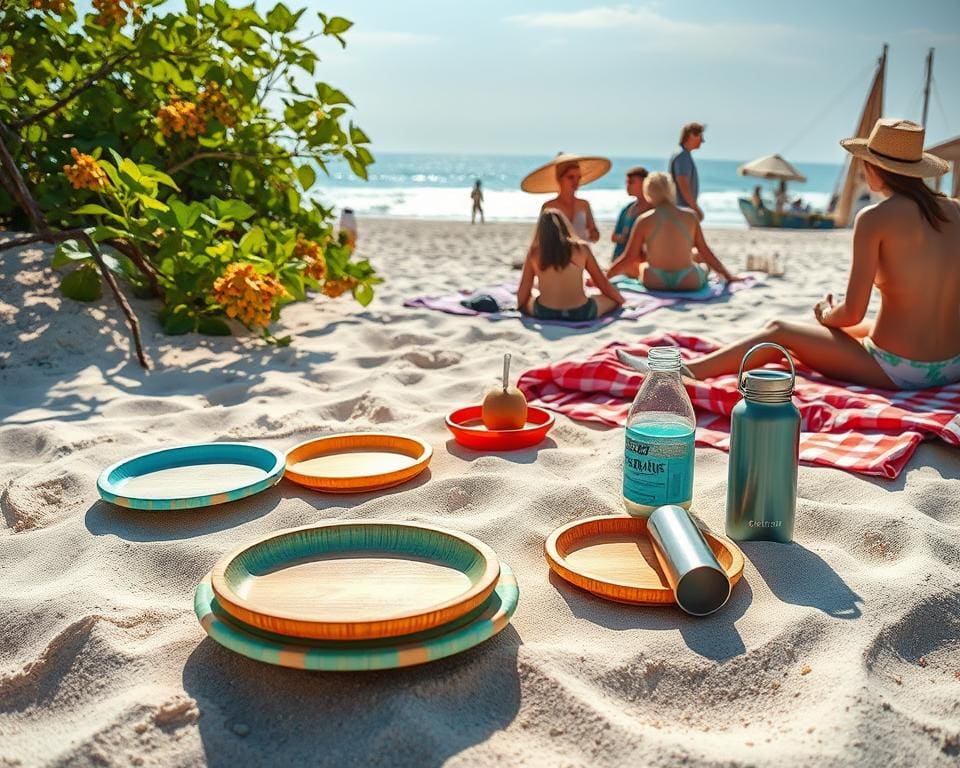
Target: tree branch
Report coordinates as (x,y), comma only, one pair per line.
(132,252)
(20,192)
(103,69)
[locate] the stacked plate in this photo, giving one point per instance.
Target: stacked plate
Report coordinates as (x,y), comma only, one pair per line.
(356,595)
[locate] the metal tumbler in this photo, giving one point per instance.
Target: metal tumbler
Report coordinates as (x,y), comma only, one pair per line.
(764,454)
(699,583)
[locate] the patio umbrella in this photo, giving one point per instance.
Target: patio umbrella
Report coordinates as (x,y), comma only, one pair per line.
(771,167)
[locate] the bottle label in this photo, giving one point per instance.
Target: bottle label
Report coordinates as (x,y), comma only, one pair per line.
(658,464)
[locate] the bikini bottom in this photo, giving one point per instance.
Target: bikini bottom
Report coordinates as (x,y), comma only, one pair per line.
(914,374)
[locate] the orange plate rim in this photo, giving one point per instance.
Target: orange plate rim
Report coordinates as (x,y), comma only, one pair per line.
(470,599)
(388,477)
(559,565)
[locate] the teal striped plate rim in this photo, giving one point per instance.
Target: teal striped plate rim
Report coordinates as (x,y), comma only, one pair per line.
(468,631)
(268,463)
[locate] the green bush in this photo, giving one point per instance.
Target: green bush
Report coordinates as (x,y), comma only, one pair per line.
(184,143)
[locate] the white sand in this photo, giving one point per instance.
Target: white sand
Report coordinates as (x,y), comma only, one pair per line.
(814,662)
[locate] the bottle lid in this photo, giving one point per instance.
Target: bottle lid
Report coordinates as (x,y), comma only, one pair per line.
(765,386)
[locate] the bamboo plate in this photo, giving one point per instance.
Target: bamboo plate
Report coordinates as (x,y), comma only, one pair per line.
(357,462)
(466,424)
(355,580)
(190,476)
(483,623)
(613,557)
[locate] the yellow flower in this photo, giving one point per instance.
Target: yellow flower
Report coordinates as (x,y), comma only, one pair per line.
(247,295)
(338,286)
(85,173)
(181,117)
(58,7)
(211,101)
(311,252)
(5,60)
(113,12)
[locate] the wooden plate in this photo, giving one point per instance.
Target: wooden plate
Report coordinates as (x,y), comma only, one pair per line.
(466,424)
(190,476)
(355,580)
(613,557)
(357,462)
(486,621)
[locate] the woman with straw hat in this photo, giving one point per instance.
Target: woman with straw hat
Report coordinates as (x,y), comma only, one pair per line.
(565,174)
(908,247)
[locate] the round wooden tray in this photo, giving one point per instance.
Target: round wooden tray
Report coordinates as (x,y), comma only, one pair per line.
(190,476)
(355,580)
(357,461)
(612,557)
(466,424)
(485,621)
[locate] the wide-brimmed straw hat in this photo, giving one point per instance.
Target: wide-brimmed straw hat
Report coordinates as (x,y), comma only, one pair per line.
(544,179)
(897,146)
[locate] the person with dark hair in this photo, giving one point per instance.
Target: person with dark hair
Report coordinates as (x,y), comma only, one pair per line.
(684,170)
(908,247)
(558,263)
(477,196)
(629,214)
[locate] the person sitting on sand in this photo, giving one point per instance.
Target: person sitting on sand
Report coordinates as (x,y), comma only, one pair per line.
(564,175)
(907,247)
(558,260)
(630,213)
(670,234)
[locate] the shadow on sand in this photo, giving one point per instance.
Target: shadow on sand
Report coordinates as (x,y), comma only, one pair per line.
(257,714)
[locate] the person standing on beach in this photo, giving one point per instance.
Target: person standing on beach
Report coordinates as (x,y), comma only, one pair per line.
(477,196)
(629,214)
(684,170)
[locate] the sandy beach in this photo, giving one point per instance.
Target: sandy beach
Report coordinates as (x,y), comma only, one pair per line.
(841,649)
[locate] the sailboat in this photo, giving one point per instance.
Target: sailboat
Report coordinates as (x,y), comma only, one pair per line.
(852,191)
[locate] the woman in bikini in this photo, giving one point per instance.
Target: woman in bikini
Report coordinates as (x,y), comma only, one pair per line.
(670,235)
(908,247)
(564,175)
(558,260)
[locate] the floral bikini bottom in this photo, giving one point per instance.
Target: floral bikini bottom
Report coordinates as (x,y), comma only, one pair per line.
(914,374)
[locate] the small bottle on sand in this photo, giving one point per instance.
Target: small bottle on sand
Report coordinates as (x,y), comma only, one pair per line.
(658,450)
(348,226)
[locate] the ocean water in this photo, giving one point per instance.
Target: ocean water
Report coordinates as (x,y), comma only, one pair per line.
(437,186)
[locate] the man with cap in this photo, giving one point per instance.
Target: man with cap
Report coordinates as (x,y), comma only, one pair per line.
(684,170)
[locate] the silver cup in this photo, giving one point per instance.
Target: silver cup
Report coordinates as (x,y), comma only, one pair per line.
(699,583)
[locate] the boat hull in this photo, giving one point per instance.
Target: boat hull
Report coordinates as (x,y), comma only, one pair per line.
(767,219)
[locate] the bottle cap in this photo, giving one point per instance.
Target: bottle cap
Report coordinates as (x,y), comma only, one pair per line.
(766,386)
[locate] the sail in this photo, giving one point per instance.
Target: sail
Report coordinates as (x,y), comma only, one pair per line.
(853,182)
(950,151)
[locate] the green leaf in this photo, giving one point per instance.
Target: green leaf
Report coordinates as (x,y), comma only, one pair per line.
(307,176)
(212,326)
(363,293)
(337,25)
(82,284)
(92,208)
(279,19)
(186,215)
(69,252)
(178,323)
(357,136)
(151,202)
(293,200)
(237,210)
(193,7)
(252,241)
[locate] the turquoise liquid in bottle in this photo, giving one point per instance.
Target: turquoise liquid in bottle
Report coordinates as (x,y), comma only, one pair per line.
(658,455)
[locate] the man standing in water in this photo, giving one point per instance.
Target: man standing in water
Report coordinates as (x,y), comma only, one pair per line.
(477,197)
(684,170)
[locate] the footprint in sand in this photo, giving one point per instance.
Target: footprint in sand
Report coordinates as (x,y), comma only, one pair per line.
(915,662)
(432,359)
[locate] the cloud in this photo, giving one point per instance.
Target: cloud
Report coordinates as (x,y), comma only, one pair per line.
(660,32)
(383,37)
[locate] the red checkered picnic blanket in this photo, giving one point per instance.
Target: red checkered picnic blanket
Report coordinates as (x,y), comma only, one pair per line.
(873,432)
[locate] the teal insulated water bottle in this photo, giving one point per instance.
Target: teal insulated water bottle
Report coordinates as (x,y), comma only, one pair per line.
(658,445)
(764,454)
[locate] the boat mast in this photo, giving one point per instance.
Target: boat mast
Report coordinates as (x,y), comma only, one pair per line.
(926,88)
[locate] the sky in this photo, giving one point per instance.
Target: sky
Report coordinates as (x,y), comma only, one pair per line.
(620,79)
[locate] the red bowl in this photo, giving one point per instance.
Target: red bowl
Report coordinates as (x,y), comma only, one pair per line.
(466,424)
